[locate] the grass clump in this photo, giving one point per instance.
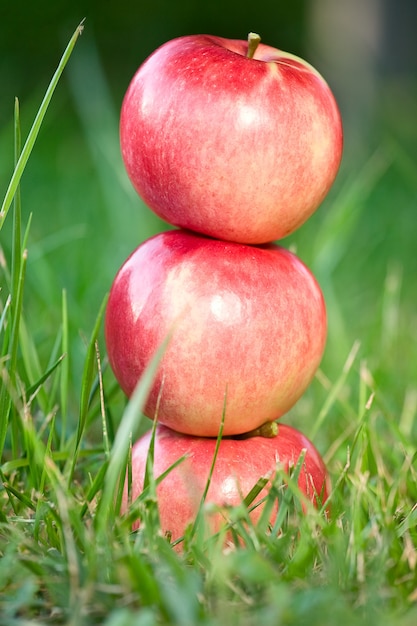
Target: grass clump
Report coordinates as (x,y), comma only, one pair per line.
(68,557)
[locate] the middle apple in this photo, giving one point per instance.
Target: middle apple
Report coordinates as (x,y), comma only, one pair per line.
(248,328)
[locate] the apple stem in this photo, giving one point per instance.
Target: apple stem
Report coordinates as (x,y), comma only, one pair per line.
(268,430)
(253,42)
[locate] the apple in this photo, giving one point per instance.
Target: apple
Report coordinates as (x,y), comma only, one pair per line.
(237,148)
(238,466)
(247,327)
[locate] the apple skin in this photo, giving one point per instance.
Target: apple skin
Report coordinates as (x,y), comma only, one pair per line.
(239,465)
(248,328)
(235,148)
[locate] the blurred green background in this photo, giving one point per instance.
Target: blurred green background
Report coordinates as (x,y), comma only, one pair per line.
(87,219)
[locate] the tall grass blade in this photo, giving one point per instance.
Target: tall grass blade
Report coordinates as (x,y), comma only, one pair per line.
(86,386)
(9,372)
(200,511)
(129,424)
(331,398)
(5,312)
(64,379)
(34,388)
(290,480)
(104,420)
(33,133)
(17,210)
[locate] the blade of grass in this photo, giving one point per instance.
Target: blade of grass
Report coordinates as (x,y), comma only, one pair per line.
(44,476)
(54,357)
(5,396)
(256,490)
(64,379)
(33,133)
(290,480)
(15,299)
(94,488)
(143,579)
(332,396)
(17,212)
(27,345)
(149,483)
(102,404)
(118,459)
(26,341)
(149,479)
(5,312)
(32,362)
(200,511)
(86,386)
(146,492)
(34,388)
(16,493)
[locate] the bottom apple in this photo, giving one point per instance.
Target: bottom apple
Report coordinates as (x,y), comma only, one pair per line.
(240,463)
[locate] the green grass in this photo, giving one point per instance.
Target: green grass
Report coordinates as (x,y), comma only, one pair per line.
(66,555)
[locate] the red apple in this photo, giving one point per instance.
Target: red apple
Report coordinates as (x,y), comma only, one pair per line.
(248,330)
(239,465)
(242,149)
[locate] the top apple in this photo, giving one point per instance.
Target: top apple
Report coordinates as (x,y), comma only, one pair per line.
(233,139)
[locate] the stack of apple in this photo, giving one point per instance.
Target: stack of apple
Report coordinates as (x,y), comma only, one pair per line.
(236,144)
